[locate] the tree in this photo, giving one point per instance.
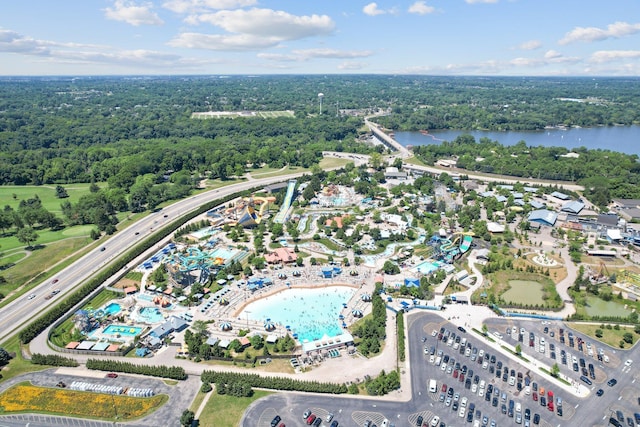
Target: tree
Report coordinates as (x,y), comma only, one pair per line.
(187,418)
(5,357)
(61,193)
(555,370)
(27,236)
(390,267)
(518,350)
(485,329)
(200,327)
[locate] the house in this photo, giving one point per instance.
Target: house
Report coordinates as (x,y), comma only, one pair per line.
(172,324)
(543,217)
(447,163)
(494,227)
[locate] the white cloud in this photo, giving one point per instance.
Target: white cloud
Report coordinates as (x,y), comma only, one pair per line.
(614,55)
(549,58)
(86,54)
(592,34)
(352,65)
(129,12)
(421,8)
(481,1)
(332,53)
(228,42)
(372,10)
(273,24)
(310,54)
(530,45)
(193,6)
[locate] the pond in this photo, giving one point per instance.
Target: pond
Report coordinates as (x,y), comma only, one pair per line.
(524,292)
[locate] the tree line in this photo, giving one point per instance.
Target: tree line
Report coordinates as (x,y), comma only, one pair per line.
(171,372)
(269,382)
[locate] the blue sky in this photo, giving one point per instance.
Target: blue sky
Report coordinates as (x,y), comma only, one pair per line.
(438,37)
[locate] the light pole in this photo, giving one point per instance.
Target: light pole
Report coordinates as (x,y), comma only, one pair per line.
(247,312)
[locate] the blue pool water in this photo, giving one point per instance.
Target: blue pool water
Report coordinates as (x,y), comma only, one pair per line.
(145,297)
(130,331)
(223,253)
(149,315)
(428,267)
(111,309)
(311,313)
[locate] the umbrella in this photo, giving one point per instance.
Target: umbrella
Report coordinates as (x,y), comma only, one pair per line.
(341,317)
(288,327)
(269,326)
(344,325)
(225,326)
(295,336)
(366,297)
(356,313)
(224,301)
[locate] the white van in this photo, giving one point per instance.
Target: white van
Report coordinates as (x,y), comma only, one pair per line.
(432,386)
(438,360)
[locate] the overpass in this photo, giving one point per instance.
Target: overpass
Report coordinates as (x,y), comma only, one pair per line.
(386,139)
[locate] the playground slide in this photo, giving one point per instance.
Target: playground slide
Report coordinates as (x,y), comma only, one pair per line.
(281,216)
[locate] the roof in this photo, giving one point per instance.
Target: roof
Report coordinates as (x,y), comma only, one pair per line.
(482,253)
(536,205)
(72,345)
(100,346)
(573,207)
(494,227)
(543,216)
(85,345)
(559,195)
(608,219)
(113,347)
(614,234)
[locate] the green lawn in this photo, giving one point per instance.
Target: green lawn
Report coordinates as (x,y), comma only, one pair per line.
(46,193)
(611,336)
(524,292)
(226,411)
(46,236)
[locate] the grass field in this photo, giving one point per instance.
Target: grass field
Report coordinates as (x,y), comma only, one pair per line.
(45,237)
(226,411)
(611,337)
(46,193)
(524,292)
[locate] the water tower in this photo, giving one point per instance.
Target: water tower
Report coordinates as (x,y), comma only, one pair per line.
(320,96)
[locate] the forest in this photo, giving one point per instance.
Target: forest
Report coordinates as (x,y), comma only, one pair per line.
(136,133)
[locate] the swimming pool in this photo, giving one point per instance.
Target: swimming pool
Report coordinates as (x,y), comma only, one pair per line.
(428,267)
(223,253)
(123,330)
(148,315)
(311,313)
(113,308)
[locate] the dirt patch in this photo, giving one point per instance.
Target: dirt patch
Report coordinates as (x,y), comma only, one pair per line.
(125,283)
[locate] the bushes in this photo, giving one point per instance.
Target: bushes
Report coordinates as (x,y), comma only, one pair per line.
(171,372)
(52,360)
(400,331)
(273,383)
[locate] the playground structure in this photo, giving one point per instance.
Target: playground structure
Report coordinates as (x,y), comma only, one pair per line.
(602,275)
(197,264)
(245,212)
(283,214)
(453,249)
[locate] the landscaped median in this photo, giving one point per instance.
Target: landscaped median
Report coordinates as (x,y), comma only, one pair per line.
(25,397)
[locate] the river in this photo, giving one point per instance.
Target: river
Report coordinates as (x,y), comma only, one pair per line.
(623,139)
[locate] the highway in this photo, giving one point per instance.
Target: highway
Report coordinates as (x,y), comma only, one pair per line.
(23,310)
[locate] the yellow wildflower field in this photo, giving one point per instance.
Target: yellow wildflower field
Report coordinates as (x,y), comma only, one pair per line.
(29,398)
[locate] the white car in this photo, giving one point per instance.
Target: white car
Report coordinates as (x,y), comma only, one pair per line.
(443,367)
(32,296)
(628,362)
(385,423)
(461,412)
(485,365)
(434,333)
(481,392)
(527,390)
(463,402)
(435,421)
(474,388)
(481,353)
(512,380)
(605,358)
(432,359)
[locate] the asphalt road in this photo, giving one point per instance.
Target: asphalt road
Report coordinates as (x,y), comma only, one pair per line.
(23,310)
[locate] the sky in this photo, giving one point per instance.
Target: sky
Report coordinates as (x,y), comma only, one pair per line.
(226,37)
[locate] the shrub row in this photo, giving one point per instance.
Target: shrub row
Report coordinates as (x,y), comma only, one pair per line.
(273,383)
(52,360)
(36,327)
(172,372)
(400,332)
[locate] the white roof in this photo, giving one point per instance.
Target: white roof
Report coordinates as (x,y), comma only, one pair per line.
(614,234)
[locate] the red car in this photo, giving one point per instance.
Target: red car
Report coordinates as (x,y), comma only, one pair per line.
(54,281)
(461,378)
(310,419)
(112,375)
(550,406)
(455,374)
(535,396)
(444,388)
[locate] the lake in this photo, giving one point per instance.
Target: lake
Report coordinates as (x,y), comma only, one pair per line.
(624,139)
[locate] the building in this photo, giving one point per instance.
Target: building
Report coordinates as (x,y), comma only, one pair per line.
(573,207)
(172,324)
(447,163)
(281,255)
(393,173)
(559,195)
(543,217)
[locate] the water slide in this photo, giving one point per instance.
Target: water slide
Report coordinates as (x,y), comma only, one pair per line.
(466,243)
(281,216)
